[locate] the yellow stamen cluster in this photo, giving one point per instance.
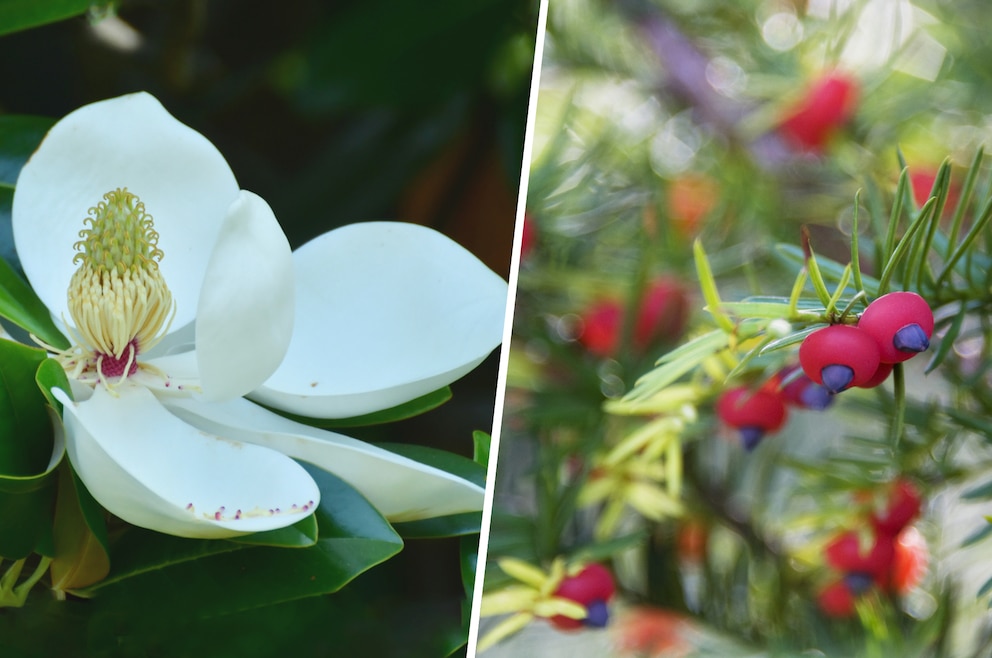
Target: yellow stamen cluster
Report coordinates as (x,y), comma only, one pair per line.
(118,299)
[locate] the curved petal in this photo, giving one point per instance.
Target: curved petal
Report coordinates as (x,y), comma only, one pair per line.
(400,488)
(385,312)
(130,141)
(155,471)
(245,316)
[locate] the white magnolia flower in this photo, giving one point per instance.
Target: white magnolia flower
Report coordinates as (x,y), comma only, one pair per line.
(180,295)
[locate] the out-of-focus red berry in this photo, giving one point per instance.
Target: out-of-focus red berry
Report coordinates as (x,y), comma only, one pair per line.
(653,632)
(839,356)
(903,507)
(593,588)
(922,183)
(691,197)
(601,325)
(828,104)
(691,541)
(901,323)
(661,317)
(836,600)
(910,561)
(528,236)
(752,413)
(663,313)
(742,407)
(845,554)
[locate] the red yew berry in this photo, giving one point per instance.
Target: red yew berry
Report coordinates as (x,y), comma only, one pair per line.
(663,313)
(803,392)
(836,600)
(661,316)
(903,506)
(901,323)
(690,199)
(527,236)
(827,106)
(861,568)
(752,413)
(593,588)
(881,374)
(910,561)
(601,328)
(839,356)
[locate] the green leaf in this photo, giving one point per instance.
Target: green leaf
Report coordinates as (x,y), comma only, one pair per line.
(301,534)
(20,305)
(446,461)
(30,452)
(772,311)
(23,14)
(947,340)
(403,411)
(830,269)
(25,426)
(981,492)
(985,589)
(978,535)
(210,578)
(19,134)
(677,363)
(710,292)
(481,441)
(453,525)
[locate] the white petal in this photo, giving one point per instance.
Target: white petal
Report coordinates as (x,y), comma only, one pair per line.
(130,141)
(245,316)
(400,488)
(385,312)
(155,471)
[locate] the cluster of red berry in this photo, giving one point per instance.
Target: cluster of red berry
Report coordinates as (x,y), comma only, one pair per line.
(591,588)
(895,327)
(878,566)
(754,413)
(826,107)
(661,317)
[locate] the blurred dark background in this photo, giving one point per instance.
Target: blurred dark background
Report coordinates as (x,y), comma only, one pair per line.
(334,112)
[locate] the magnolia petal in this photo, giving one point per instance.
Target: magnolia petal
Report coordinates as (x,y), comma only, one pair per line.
(386,312)
(245,316)
(400,488)
(133,142)
(155,471)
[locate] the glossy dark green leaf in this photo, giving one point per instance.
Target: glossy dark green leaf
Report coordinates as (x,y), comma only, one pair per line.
(443,45)
(209,578)
(403,411)
(25,425)
(482,442)
(299,535)
(20,305)
(446,461)
(453,525)
(19,134)
(30,451)
(23,14)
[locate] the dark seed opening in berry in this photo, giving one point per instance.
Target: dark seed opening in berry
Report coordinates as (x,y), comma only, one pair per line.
(911,338)
(751,436)
(858,582)
(816,397)
(836,377)
(597,614)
